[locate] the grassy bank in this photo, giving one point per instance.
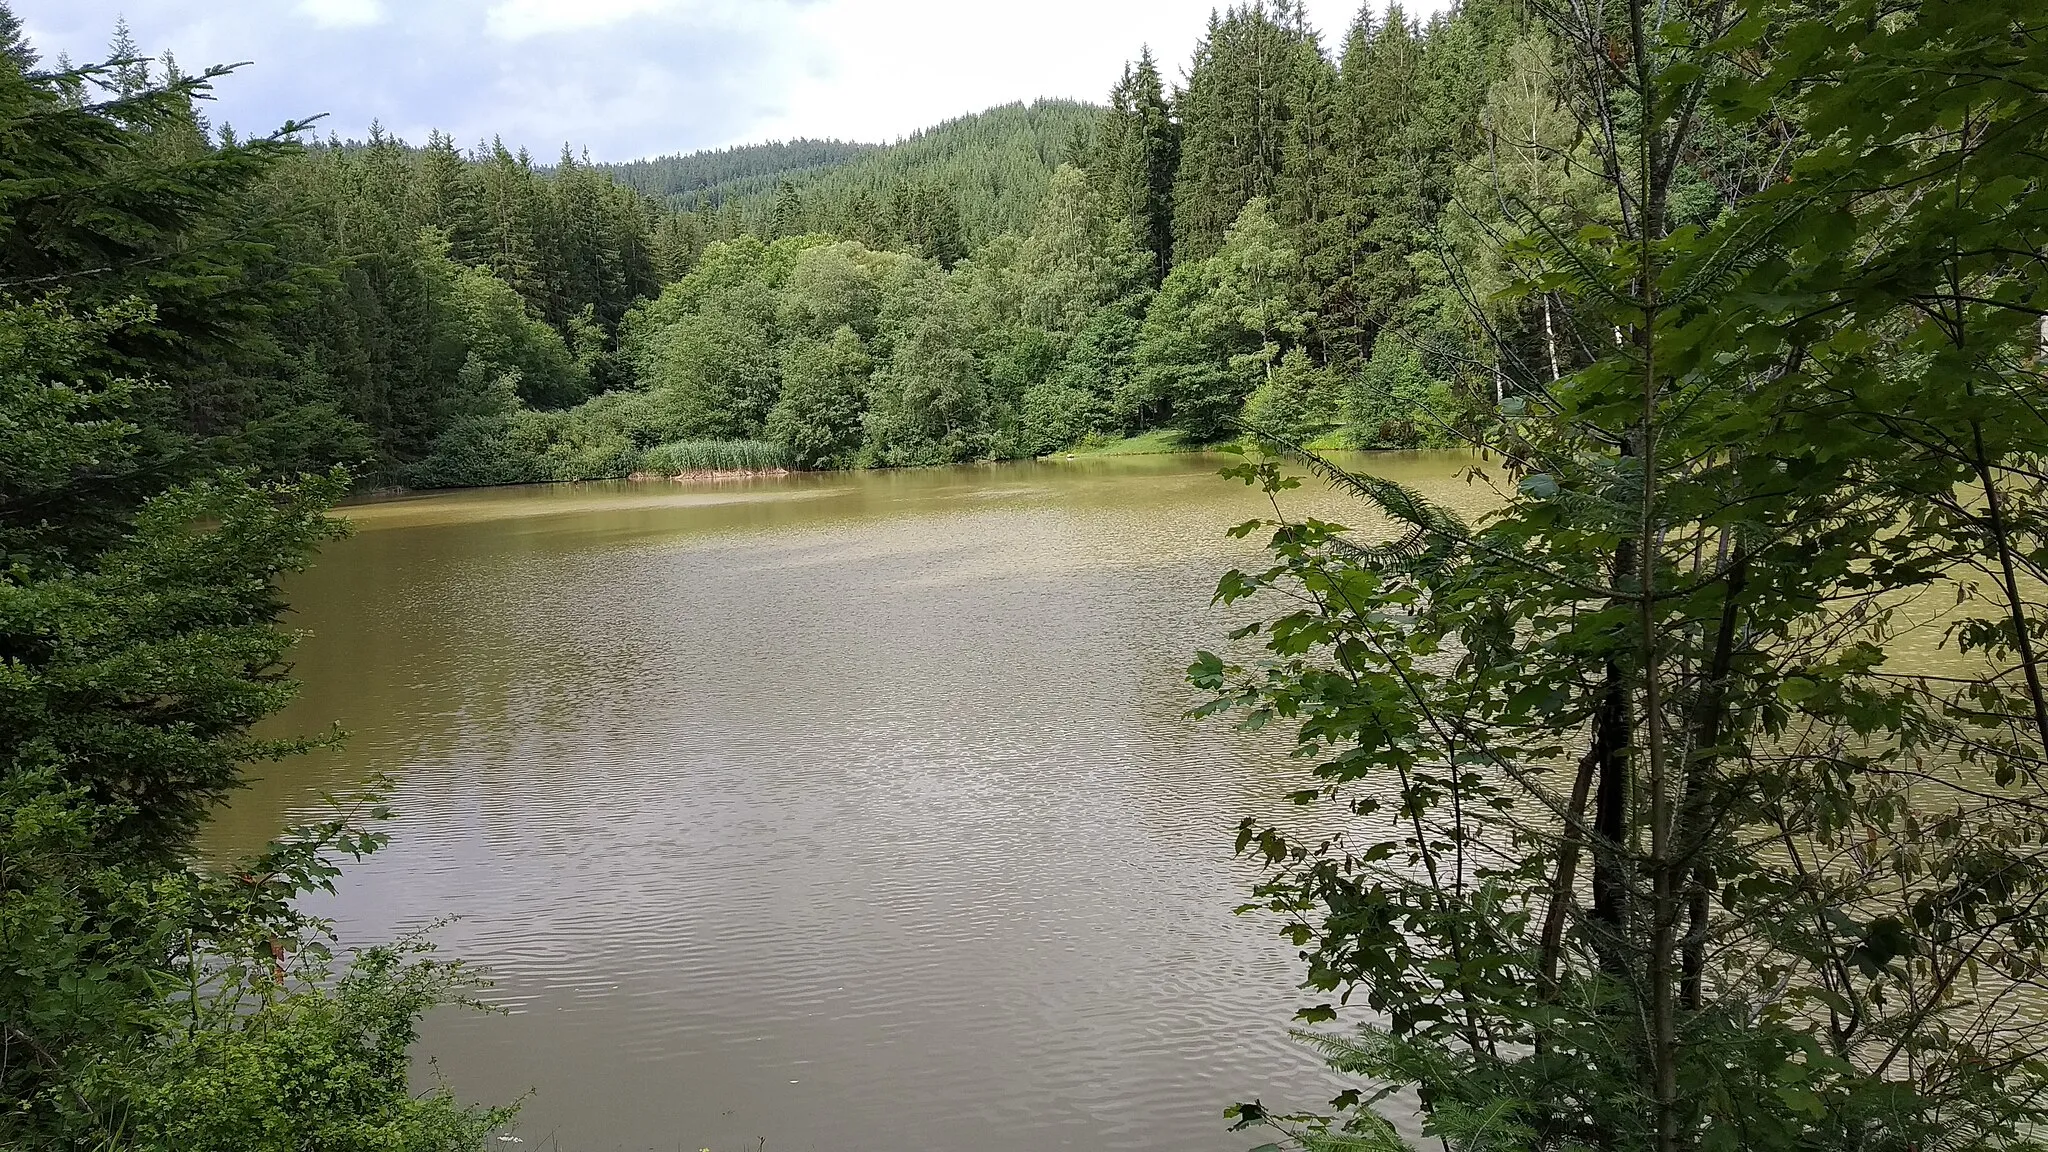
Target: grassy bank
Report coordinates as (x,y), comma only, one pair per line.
(1164,440)
(1154,443)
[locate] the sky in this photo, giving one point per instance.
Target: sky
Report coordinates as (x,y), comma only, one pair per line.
(630,78)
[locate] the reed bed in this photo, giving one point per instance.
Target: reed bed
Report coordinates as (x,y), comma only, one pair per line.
(715,456)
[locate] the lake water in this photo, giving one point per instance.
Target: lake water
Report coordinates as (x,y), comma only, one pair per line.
(849,812)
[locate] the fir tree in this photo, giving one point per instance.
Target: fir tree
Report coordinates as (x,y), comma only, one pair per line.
(1135,157)
(1242,90)
(14,43)
(128,68)
(789,212)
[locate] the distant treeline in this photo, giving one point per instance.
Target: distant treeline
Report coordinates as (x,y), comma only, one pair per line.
(994,167)
(1304,237)
(701,180)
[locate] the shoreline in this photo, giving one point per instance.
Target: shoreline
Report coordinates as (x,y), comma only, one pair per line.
(707,475)
(390,493)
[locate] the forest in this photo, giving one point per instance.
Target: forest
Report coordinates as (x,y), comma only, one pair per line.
(1655,834)
(1288,240)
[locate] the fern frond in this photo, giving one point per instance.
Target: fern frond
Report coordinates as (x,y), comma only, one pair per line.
(1367,1052)
(1375,1138)
(1434,534)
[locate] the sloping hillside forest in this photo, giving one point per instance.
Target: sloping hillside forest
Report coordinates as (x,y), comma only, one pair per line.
(1005,155)
(1295,235)
(708,179)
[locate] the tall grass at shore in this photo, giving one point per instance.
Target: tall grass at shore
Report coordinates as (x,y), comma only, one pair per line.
(715,456)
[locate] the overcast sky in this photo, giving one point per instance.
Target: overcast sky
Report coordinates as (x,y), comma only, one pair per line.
(628,78)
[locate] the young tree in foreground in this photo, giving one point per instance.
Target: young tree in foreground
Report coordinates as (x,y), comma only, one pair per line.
(1652,823)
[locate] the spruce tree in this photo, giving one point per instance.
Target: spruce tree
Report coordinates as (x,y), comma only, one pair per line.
(1308,194)
(1242,90)
(1342,258)
(508,220)
(138,608)
(678,241)
(1385,218)
(1135,158)
(442,194)
(927,221)
(862,219)
(14,44)
(788,219)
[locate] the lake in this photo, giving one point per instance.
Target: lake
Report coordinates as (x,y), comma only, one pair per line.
(849,812)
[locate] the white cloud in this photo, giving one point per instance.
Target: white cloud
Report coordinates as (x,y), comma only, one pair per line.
(878,69)
(342,13)
(518,19)
(642,77)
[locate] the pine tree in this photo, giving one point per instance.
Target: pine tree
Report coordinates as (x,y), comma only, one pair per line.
(14,43)
(788,219)
(1135,157)
(129,68)
(1242,90)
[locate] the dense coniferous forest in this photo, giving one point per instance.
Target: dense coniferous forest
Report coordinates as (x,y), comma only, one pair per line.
(708,179)
(994,167)
(994,164)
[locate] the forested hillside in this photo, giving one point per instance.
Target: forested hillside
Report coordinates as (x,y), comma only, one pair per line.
(993,165)
(702,180)
(1306,237)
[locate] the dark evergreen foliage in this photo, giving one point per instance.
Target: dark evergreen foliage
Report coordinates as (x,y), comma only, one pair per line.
(703,180)
(1245,88)
(1135,157)
(138,648)
(994,165)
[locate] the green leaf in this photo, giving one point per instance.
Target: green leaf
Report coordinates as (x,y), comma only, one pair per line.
(1798,689)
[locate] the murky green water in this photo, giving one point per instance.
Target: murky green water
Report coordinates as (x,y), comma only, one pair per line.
(850,812)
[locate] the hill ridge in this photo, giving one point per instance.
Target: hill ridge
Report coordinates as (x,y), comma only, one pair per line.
(997,162)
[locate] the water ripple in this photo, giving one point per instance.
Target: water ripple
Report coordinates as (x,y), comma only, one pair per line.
(857,815)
